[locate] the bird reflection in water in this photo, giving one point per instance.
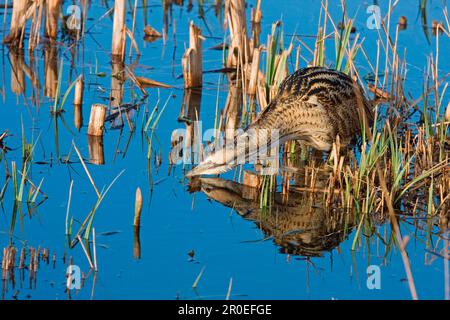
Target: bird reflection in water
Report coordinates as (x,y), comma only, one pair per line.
(299,222)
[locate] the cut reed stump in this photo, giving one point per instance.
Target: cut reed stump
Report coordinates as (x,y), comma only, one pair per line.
(119,31)
(96,150)
(18,20)
(52,10)
(237,23)
(192,59)
(97,120)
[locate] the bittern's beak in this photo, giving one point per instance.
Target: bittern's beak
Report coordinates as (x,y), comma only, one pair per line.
(208,168)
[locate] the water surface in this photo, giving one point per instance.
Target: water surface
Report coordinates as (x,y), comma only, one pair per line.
(175,221)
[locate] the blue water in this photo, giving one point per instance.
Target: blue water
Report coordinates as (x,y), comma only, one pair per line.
(174,221)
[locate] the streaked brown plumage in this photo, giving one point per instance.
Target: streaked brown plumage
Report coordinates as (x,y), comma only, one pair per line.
(313,105)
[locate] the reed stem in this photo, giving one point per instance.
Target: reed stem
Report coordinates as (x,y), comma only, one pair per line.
(118,37)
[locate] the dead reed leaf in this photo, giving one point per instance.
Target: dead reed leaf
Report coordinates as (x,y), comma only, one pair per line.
(133,41)
(151,32)
(149,83)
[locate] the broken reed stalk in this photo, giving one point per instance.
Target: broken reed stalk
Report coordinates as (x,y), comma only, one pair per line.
(138,208)
(78,103)
(85,252)
(133,27)
(254,72)
(192,59)
(36,26)
(79,86)
(447,113)
(118,37)
(237,23)
(256,13)
(18,20)
(97,120)
(52,9)
(133,42)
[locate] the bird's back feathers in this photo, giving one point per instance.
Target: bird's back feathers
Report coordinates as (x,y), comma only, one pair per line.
(313,105)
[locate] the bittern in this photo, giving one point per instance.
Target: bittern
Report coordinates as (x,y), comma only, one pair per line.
(313,105)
